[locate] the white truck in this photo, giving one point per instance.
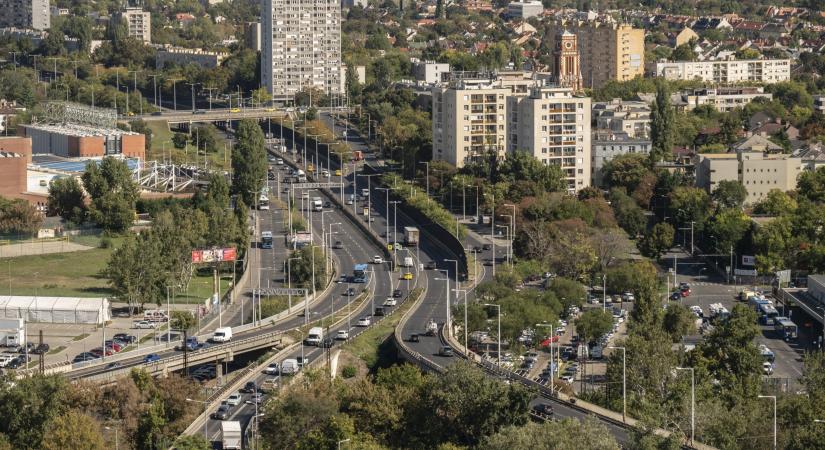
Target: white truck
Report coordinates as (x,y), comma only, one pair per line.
(289,367)
(315,336)
(408,261)
(223,334)
(231,435)
(301,176)
(317,204)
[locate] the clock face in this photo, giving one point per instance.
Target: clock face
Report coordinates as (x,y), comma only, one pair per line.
(568,45)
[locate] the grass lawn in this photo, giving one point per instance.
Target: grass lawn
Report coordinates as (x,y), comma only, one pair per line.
(367,345)
(188,155)
(78,274)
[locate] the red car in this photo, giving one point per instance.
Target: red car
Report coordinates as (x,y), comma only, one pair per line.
(99,351)
(114,346)
(685,292)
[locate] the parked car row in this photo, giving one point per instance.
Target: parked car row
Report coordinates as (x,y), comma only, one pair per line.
(115,345)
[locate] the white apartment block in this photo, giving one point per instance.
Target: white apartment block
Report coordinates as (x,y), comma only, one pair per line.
(429,71)
(723,99)
(185,56)
(554,126)
(26,14)
(525,9)
(139,23)
(608,146)
(301,46)
(513,112)
(727,71)
(619,116)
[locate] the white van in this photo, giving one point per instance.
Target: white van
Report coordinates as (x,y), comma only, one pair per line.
(289,367)
(408,261)
(315,336)
(301,176)
(223,334)
(365,193)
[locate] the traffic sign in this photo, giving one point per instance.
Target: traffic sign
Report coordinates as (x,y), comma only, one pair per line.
(784,276)
(283,291)
(316,185)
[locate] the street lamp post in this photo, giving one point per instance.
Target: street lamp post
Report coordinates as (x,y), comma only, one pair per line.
(692,401)
(498,314)
(773,397)
(624,381)
(386,211)
(341,442)
(427,179)
(447,280)
(457,280)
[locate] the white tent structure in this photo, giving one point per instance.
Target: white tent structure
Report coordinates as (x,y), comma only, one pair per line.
(55,309)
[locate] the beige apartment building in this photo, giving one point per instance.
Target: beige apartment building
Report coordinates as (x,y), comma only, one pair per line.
(757,171)
(300,46)
(513,111)
(138,23)
(608,51)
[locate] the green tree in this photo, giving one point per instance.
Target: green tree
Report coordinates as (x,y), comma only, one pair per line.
(43,398)
(628,214)
(811,185)
(566,434)
(179,140)
(135,272)
(593,324)
(66,198)
(205,138)
(194,442)
(523,166)
(689,204)
(182,320)
(729,194)
(463,406)
(73,430)
(151,426)
(52,45)
(661,124)
(658,241)
(301,413)
(248,161)
(301,270)
(19,217)
(569,292)
(626,171)
(678,321)
(684,52)
(113,193)
(728,227)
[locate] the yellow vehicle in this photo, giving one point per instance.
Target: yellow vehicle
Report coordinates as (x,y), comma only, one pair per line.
(310,168)
(270,109)
(338,173)
(235,110)
(130,113)
(408,276)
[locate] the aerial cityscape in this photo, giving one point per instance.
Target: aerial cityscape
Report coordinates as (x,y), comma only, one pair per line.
(433,224)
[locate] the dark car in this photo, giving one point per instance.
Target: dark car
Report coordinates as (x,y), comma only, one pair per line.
(414,338)
(431,265)
(396,293)
(676,296)
(543,408)
(28,348)
(379,311)
(150,358)
(349,292)
(85,356)
(487,246)
(476,249)
(302,361)
(445,351)
(125,338)
(327,342)
(222,413)
(114,365)
(42,349)
(338,245)
(157,113)
(16,362)
(327,204)
(249,388)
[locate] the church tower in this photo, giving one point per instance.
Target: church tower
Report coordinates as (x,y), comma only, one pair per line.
(568,69)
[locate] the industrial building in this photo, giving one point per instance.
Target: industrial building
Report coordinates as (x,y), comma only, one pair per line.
(55,309)
(83,141)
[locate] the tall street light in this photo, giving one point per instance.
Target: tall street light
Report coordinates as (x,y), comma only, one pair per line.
(498,314)
(386,211)
(447,280)
(774,417)
(457,280)
(427,179)
(692,401)
(624,380)
(466,326)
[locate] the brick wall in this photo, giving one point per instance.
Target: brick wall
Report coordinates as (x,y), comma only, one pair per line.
(14,144)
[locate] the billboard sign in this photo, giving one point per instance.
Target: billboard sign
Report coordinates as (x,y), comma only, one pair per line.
(214,255)
(748,260)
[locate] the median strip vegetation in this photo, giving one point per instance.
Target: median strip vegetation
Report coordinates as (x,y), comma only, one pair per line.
(418,199)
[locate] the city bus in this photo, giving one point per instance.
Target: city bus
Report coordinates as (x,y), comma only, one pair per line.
(785,327)
(359,273)
(767,314)
(266,239)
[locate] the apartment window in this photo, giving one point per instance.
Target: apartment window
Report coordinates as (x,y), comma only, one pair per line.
(466,138)
(466,128)
(466,107)
(581,171)
(466,97)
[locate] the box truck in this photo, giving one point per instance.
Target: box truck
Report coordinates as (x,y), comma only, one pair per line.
(231,435)
(411,235)
(315,336)
(317,204)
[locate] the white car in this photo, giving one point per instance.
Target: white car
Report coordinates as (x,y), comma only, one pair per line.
(342,335)
(767,368)
(234,399)
(568,378)
(390,301)
(377,260)
(144,324)
(364,321)
(279,161)
(271,369)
